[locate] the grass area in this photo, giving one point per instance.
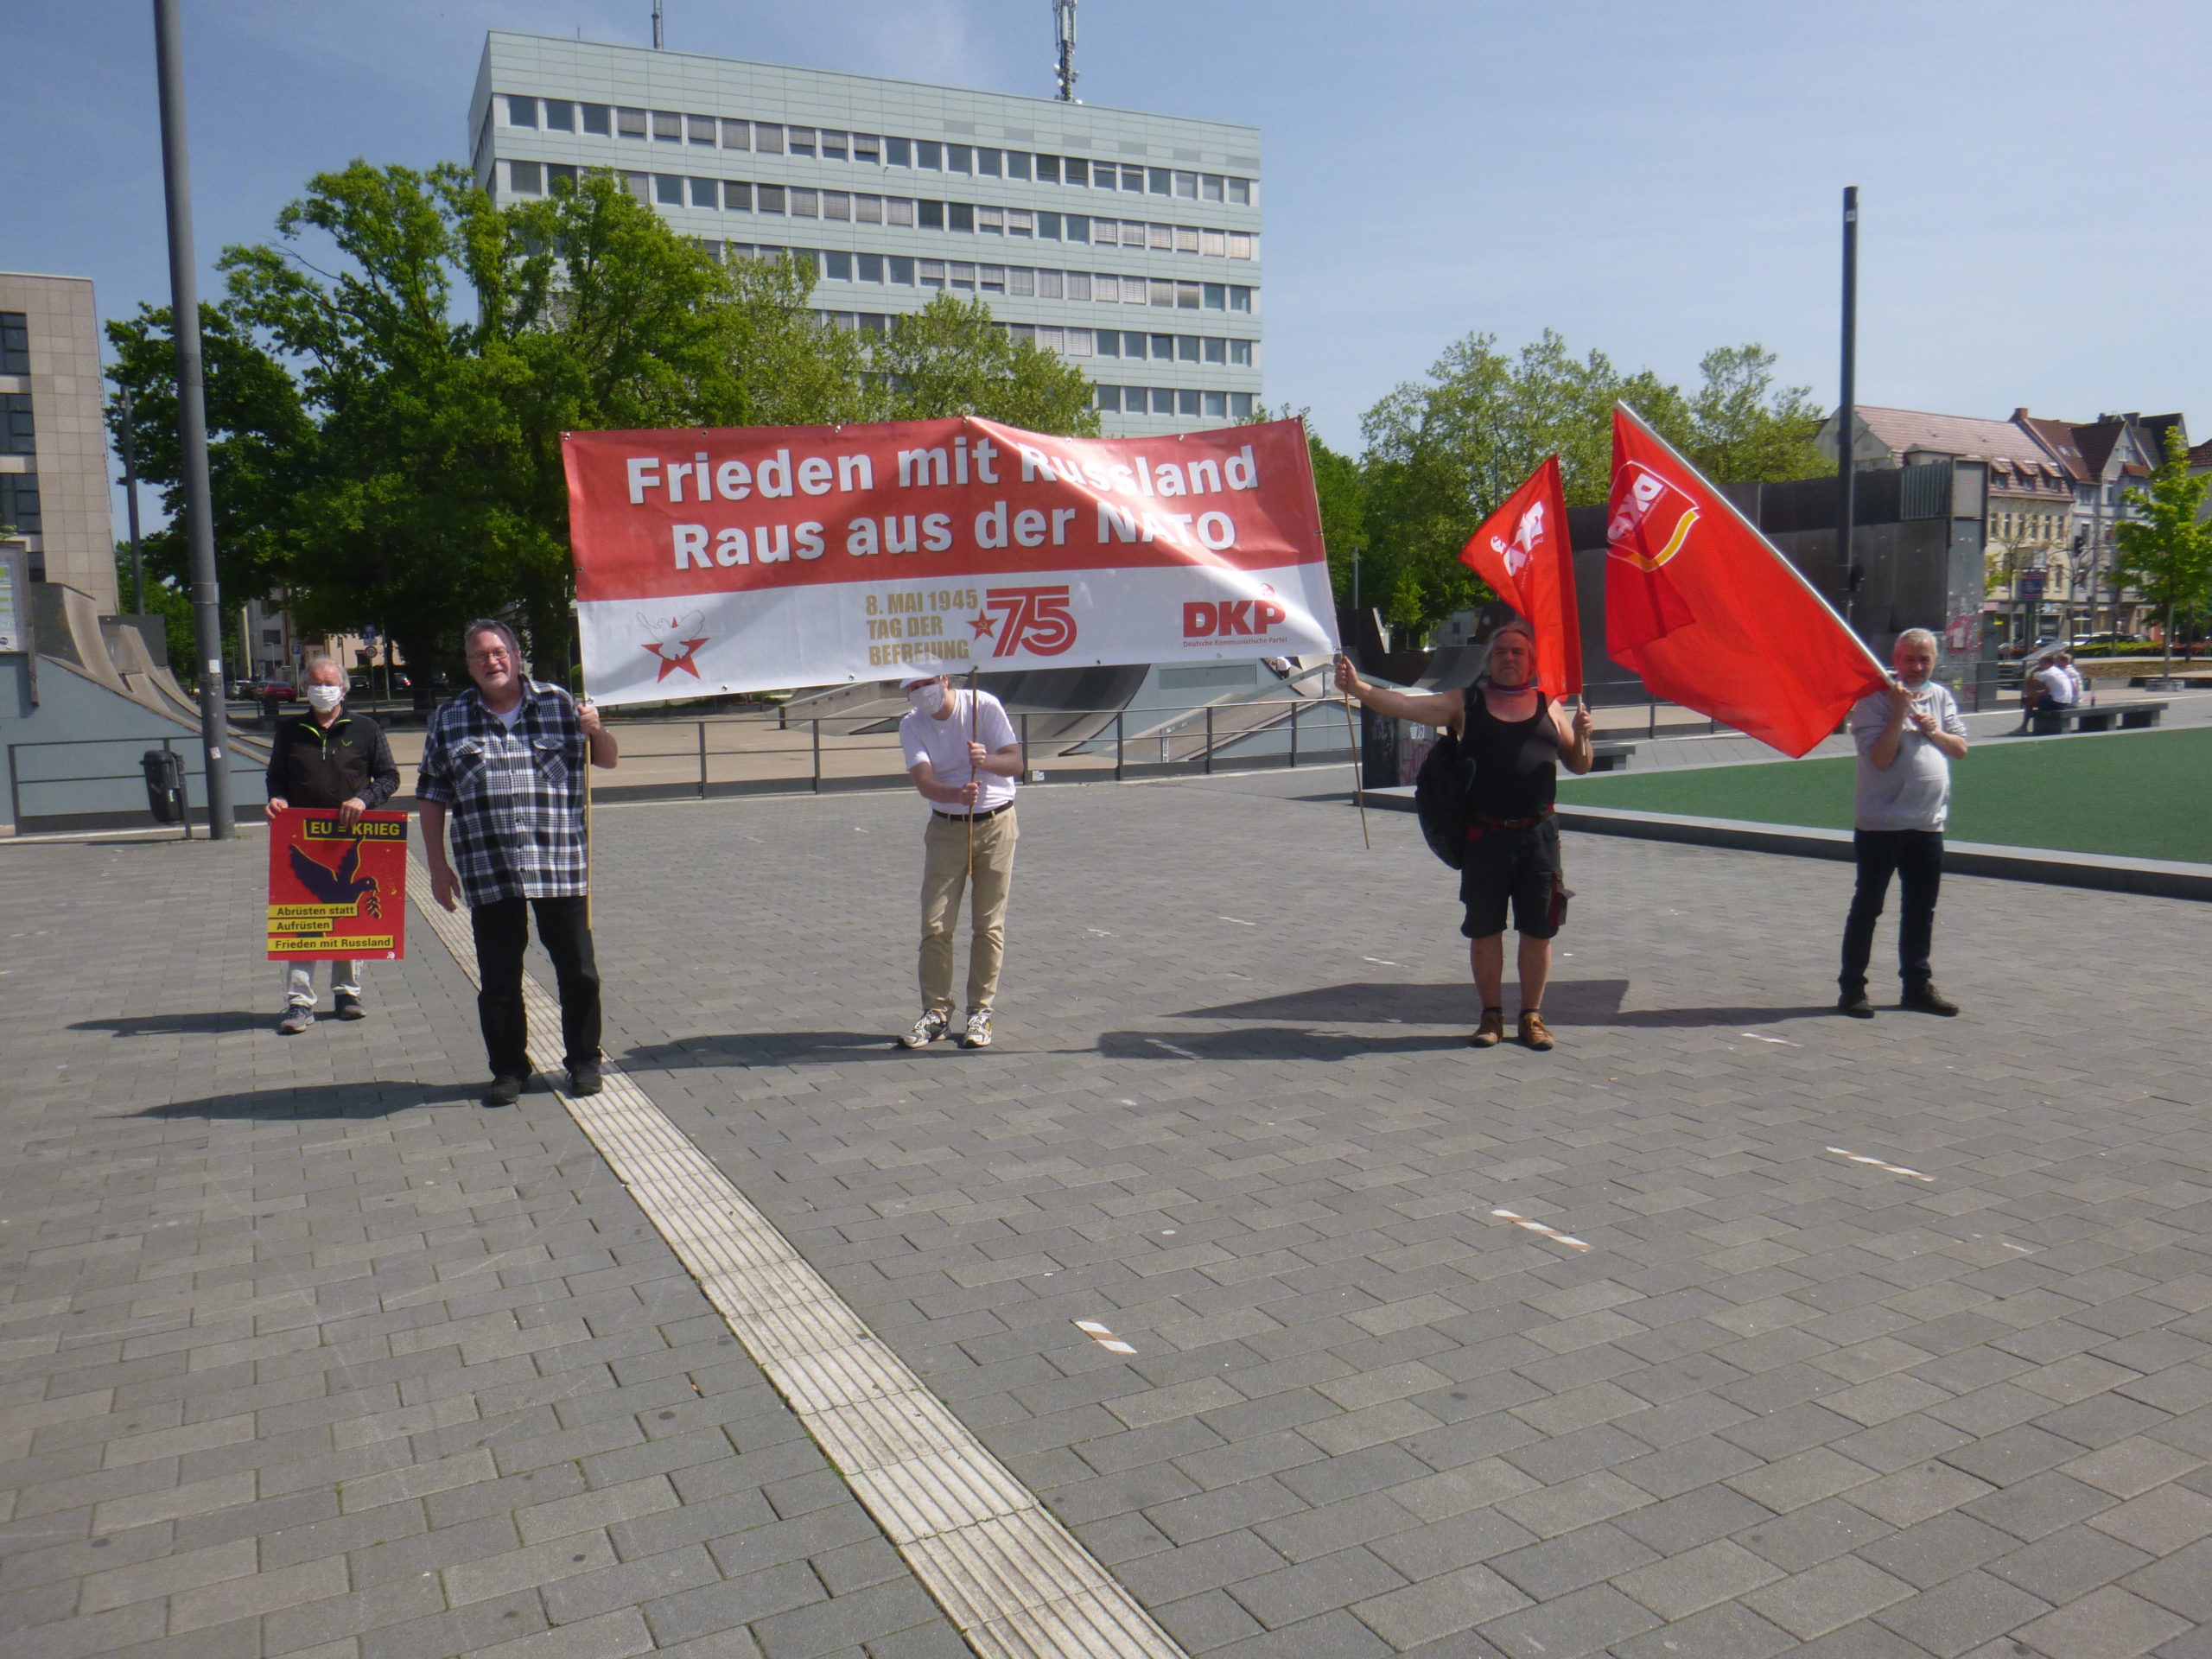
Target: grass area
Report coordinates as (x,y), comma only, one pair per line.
(2136,795)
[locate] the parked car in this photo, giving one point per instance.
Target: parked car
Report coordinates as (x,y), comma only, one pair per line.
(2110,636)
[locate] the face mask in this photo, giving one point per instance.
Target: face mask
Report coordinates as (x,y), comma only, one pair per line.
(928,699)
(324,698)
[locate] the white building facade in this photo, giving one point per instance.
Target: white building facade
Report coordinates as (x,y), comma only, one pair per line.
(1128,243)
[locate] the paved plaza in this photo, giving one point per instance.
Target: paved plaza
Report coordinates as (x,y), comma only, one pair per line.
(1839,1338)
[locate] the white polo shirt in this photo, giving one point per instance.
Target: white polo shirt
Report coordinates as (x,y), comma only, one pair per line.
(943,744)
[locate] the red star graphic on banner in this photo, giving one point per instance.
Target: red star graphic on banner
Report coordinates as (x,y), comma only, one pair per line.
(670,665)
(985,625)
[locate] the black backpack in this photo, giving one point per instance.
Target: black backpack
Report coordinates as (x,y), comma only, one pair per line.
(1440,797)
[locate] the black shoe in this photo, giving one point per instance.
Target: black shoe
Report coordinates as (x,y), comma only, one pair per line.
(346,1006)
(503,1091)
(1926,999)
(1855,1004)
(296,1019)
(584,1080)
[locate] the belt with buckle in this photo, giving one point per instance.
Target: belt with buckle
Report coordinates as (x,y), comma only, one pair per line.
(1481,823)
(975,818)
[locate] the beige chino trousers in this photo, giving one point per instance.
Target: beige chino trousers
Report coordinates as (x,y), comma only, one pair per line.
(944,879)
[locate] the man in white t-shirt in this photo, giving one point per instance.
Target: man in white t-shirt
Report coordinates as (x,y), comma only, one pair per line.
(963,757)
(2060,682)
(1908,735)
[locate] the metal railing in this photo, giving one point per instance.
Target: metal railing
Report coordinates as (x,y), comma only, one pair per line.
(774,753)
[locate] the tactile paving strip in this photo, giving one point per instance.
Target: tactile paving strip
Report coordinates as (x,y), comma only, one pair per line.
(1013,1580)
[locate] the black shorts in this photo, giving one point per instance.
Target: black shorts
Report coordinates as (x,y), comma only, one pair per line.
(1519,866)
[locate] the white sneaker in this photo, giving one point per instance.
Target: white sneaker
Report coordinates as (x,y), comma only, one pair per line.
(931,1025)
(977,1033)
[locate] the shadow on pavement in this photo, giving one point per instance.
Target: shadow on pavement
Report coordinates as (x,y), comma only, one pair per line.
(767,1048)
(1264,1043)
(322,1100)
(1669,1017)
(1566,1001)
(180,1024)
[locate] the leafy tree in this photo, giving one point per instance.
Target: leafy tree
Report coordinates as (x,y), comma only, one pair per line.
(1442,452)
(950,358)
(385,433)
(2166,555)
(1340,488)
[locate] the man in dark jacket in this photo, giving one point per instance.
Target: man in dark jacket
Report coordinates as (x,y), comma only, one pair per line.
(337,762)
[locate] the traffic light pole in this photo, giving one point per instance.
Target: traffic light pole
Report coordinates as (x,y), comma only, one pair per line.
(192,415)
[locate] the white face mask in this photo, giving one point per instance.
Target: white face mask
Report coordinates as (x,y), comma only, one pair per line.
(927,698)
(324,698)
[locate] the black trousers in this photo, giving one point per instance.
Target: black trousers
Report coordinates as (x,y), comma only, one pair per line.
(1915,858)
(502,930)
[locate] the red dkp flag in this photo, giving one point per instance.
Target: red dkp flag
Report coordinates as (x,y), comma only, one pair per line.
(1522,551)
(1708,612)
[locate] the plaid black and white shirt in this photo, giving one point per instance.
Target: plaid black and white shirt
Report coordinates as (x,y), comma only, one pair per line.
(514,798)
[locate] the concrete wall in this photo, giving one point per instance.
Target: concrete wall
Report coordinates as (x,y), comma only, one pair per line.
(71,761)
(77,543)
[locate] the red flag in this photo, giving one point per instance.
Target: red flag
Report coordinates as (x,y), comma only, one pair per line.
(1708,612)
(1522,551)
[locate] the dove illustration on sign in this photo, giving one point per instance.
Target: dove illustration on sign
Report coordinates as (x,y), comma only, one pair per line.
(674,642)
(1525,537)
(343,885)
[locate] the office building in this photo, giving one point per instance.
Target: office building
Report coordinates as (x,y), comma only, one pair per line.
(53,480)
(1128,243)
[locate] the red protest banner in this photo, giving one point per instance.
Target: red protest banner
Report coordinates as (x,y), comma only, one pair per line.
(748,558)
(334,892)
(1522,550)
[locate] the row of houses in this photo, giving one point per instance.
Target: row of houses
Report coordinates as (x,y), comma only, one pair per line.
(2056,490)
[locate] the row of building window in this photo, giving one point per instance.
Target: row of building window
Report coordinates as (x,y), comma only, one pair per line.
(16,425)
(19,502)
(1017,281)
(738,196)
(14,343)
(1178,401)
(876,149)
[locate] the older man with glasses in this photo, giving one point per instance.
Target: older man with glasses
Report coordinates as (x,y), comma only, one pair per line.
(504,761)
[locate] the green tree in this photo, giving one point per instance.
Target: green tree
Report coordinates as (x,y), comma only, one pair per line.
(950,359)
(1744,430)
(1340,488)
(1442,452)
(388,386)
(2166,555)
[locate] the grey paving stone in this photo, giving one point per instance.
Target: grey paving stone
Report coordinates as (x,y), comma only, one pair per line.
(426,1316)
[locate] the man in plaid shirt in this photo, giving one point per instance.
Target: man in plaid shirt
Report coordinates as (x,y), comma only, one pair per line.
(505,762)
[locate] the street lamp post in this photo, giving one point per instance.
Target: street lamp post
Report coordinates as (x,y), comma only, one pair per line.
(192,414)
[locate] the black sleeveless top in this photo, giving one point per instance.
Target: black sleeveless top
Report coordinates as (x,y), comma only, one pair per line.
(1516,762)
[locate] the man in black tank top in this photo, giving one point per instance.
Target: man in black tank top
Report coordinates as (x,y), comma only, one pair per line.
(1517,736)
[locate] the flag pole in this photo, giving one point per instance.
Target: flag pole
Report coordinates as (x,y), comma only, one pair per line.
(1737,513)
(1357,794)
(975,776)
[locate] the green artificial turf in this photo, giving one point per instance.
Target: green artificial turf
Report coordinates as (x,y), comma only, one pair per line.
(2135,795)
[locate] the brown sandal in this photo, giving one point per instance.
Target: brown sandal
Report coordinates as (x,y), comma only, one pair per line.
(1492,1032)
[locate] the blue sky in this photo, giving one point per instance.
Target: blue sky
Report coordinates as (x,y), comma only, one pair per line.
(1649,178)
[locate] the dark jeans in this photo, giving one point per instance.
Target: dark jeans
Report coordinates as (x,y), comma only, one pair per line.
(1915,858)
(502,930)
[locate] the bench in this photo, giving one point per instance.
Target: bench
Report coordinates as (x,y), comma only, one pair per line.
(1609,754)
(2130,716)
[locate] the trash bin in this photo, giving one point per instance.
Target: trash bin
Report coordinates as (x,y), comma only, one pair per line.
(164,785)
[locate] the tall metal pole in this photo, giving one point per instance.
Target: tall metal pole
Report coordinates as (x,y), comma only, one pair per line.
(1845,482)
(192,414)
(131,505)
(656,48)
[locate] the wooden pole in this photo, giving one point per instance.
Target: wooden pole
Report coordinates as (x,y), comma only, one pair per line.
(976,776)
(1358,793)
